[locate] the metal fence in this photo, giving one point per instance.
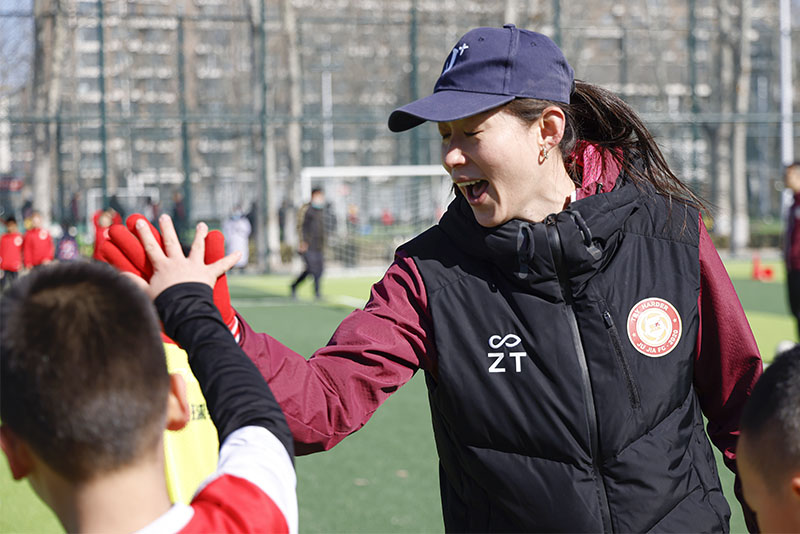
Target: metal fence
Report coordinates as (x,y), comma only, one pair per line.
(223,103)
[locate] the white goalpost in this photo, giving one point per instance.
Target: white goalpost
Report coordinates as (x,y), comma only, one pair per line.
(373,209)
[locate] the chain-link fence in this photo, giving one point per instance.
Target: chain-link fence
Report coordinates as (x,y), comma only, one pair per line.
(217,106)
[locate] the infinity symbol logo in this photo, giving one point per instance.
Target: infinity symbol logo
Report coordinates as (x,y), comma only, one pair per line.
(510,340)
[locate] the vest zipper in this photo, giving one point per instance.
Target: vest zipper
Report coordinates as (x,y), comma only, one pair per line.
(554,241)
(633,391)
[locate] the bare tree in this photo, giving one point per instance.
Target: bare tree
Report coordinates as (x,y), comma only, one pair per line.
(722,162)
(267,224)
(16,53)
(293,129)
(740,229)
(48,61)
(511,12)
(732,219)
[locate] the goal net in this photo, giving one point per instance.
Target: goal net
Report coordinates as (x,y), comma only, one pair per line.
(371,210)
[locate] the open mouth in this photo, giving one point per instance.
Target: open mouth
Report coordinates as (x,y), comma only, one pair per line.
(474,190)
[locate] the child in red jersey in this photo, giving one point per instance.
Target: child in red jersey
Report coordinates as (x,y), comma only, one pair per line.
(10,253)
(103,219)
(37,245)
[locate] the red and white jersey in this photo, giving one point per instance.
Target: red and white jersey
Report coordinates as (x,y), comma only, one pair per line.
(252,490)
(37,247)
(11,251)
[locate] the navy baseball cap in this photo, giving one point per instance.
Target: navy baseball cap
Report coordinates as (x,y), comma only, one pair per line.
(490,67)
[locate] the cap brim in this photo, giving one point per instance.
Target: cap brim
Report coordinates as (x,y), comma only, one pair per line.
(444,106)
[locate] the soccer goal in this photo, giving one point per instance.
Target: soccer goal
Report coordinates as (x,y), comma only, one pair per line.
(373,209)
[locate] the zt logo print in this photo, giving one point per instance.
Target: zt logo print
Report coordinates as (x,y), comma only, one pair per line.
(508,341)
(654,327)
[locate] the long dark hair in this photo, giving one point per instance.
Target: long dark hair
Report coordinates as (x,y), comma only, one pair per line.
(598,116)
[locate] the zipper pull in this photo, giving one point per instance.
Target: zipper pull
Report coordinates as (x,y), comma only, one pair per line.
(607,319)
(550,219)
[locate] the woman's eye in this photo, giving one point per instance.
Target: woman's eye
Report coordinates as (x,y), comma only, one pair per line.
(470,134)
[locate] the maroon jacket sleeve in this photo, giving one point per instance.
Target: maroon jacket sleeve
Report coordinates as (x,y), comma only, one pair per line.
(728,363)
(373,352)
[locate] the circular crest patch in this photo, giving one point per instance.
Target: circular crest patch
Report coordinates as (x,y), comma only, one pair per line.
(654,327)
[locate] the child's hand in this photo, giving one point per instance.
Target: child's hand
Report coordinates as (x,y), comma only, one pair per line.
(170,266)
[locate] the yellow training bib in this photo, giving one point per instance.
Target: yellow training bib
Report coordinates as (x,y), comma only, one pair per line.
(190,454)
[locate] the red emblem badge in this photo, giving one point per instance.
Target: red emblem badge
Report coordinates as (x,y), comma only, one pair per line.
(654,327)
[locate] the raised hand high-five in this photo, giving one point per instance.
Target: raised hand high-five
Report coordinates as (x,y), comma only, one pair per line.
(170,266)
(124,250)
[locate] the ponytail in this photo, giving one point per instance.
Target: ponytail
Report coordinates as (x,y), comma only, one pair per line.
(599,117)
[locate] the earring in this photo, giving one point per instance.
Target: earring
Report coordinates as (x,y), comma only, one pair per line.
(544,153)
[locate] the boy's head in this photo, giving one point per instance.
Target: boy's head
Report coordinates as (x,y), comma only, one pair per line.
(11,224)
(792,176)
(83,379)
(36,219)
(768,453)
(317,197)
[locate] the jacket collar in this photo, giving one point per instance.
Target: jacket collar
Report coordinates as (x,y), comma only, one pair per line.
(520,249)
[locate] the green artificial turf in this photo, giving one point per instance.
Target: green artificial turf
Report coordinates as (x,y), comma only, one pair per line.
(383,478)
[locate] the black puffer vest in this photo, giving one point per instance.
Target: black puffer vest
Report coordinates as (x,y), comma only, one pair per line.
(563,397)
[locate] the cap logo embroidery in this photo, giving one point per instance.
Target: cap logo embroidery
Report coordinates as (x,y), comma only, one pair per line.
(454,55)
(654,327)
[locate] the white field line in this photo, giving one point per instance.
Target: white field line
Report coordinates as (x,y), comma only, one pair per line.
(343,300)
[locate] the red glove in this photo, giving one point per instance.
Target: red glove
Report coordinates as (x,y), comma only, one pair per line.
(124,251)
(215,250)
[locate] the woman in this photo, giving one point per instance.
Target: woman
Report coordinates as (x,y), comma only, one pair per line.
(570,313)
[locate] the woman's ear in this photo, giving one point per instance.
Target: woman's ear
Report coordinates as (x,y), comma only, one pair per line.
(178,412)
(552,123)
(20,461)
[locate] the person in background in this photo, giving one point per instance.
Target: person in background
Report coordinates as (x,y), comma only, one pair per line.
(179,215)
(116,205)
(768,455)
(103,219)
(10,253)
(151,210)
(311,236)
(236,230)
(67,248)
(791,252)
(387,219)
(37,244)
(75,217)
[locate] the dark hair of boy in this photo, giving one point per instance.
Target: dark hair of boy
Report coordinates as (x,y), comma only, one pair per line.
(11,219)
(771,418)
(83,377)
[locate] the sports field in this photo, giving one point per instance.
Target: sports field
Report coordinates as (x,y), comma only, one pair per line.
(383,478)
